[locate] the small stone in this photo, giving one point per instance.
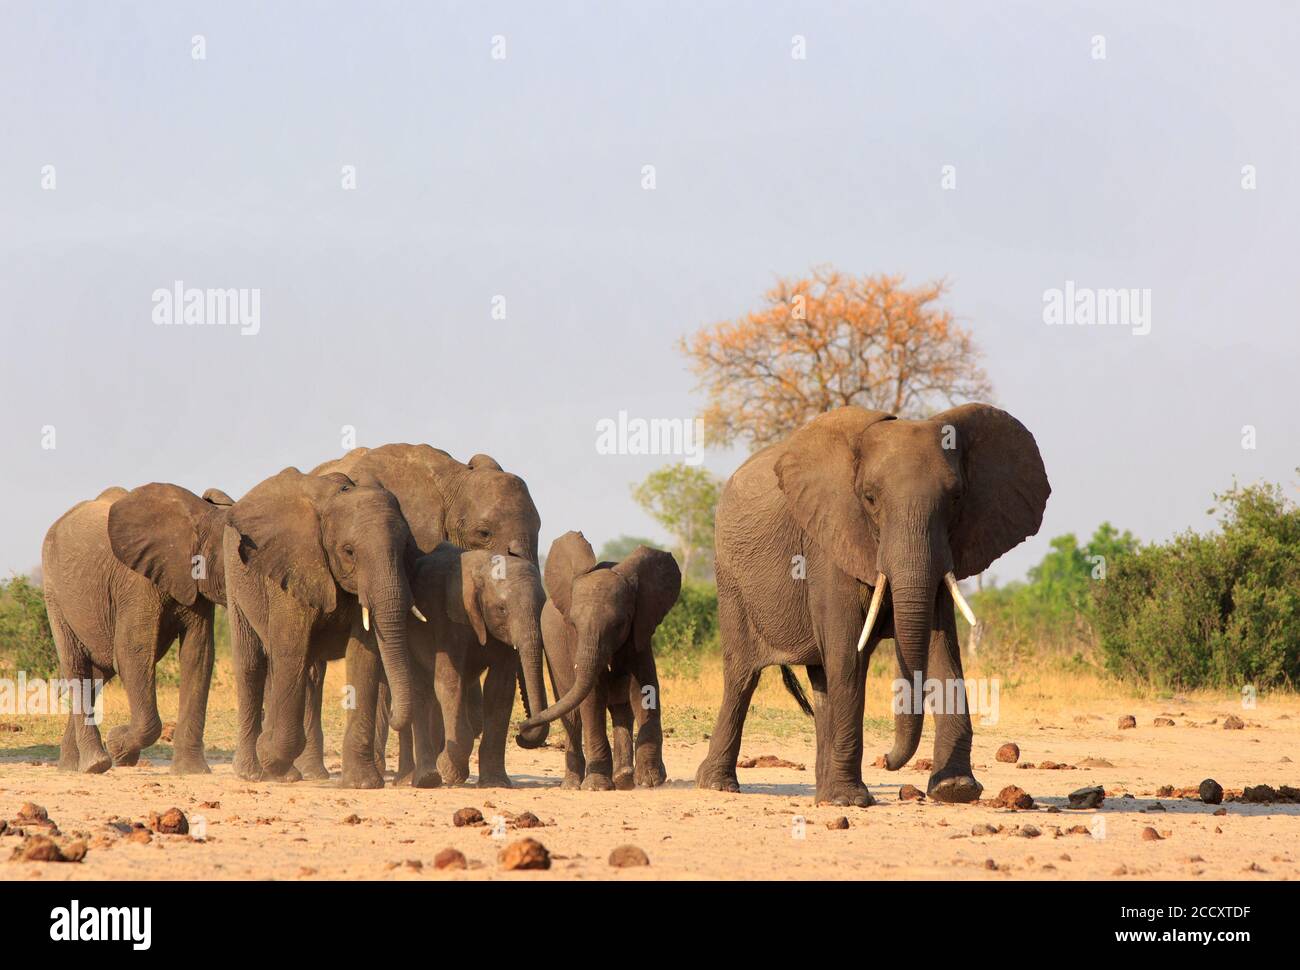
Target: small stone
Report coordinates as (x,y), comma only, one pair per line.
(1008,753)
(1211,792)
(990,864)
(140,835)
(31,812)
(630,855)
(449,858)
(467,816)
(524,854)
(838,823)
(527,820)
(1091,797)
(923,764)
(1164,722)
(1127,722)
(1029,832)
(352,819)
(170,822)
(1259,794)
(1233,723)
(1220,811)
(38,848)
(1014,797)
(1150,835)
(910,793)
(985,829)
(304,871)
(415,864)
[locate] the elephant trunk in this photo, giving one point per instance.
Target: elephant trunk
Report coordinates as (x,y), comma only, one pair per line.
(389,602)
(913,617)
(587,669)
(530,669)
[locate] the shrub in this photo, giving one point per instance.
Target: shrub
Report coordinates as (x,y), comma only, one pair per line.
(26,642)
(689,631)
(1219,610)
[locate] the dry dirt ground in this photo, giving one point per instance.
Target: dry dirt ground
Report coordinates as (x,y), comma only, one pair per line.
(314,830)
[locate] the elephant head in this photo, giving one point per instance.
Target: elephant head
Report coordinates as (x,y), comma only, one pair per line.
(315,536)
(475,505)
(912,506)
(501,596)
(608,605)
(173,538)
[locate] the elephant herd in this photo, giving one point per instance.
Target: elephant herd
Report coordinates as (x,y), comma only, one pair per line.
(418,569)
(422,572)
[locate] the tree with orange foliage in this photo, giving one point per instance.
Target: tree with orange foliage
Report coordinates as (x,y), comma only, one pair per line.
(828,340)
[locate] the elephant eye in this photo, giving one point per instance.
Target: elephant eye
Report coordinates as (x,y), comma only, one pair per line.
(348,549)
(484,533)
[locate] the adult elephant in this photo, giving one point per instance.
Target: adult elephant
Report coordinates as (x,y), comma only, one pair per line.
(810,535)
(125,574)
(309,560)
(473,505)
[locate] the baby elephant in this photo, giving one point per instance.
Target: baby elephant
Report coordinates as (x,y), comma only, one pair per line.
(483,613)
(596,628)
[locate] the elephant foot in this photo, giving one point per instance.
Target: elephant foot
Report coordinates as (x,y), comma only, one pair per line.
(89,762)
(651,776)
(624,780)
(451,772)
(246,765)
(361,776)
(717,779)
(572,781)
(844,793)
(190,763)
(313,772)
(955,790)
(288,776)
(597,782)
(425,777)
(494,779)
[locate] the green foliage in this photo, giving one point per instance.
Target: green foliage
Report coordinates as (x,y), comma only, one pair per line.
(1053,612)
(26,642)
(689,631)
(1218,610)
(682,499)
(616,550)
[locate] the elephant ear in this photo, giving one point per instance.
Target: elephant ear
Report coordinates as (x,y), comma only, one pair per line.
(658,583)
(817,473)
(484,462)
(280,534)
(216,496)
(570,557)
(472,567)
(1005,485)
(172,537)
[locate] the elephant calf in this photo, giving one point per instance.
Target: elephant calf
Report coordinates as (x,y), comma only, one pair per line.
(483,612)
(596,629)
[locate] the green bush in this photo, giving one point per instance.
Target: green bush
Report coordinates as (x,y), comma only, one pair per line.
(689,631)
(25,639)
(1219,610)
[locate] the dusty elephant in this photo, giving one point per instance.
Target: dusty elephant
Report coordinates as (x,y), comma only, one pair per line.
(309,560)
(474,505)
(125,574)
(596,627)
(484,613)
(812,532)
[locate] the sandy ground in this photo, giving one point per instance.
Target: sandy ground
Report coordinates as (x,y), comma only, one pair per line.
(302,831)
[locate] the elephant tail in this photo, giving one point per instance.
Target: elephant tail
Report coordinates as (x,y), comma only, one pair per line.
(796,689)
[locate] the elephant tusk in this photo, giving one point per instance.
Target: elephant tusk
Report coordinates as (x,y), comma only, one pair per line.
(872,611)
(418,615)
(960,600)
(365,618)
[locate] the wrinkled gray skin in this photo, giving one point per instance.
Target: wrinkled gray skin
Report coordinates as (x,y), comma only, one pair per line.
(475,505)
(119,577)
(303,554)
(483,611)
(859,493)
(597,626)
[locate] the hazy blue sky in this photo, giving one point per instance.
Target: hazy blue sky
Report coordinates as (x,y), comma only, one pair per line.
(522,177)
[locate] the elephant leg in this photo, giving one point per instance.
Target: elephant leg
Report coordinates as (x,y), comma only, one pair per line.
(282,738)
(575,763)
(452,737)
(740,672)
(840,730)
(498,700)
(622,723)
(383,706)
(643,691)
(364,672)
(197,655)
(406,750)
(952,779)
(311,763)
(424,771)
(595,742)
(474,705)
(821,707)
(250,685)
(82,748)
(135,654)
